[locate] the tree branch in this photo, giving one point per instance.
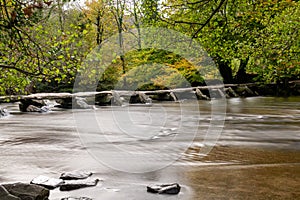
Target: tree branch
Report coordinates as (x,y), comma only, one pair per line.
(210,17)
(18,69)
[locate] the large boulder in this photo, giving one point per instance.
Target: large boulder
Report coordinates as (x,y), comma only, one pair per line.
(4,194)
(27,191)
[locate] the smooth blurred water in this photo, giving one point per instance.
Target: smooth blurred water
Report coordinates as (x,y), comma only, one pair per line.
(32,144)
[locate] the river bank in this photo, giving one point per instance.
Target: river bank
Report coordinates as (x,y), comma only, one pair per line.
(256,173)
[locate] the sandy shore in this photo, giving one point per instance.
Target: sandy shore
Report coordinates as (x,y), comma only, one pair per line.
(255,173)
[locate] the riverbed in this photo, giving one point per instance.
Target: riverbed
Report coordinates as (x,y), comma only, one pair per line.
(253,153)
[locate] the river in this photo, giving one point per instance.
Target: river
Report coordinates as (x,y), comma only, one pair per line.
(256,152)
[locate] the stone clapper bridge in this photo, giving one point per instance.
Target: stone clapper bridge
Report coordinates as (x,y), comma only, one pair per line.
(120,97)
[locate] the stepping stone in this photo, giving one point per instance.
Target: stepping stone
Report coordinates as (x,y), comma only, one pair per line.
(173,188)
(77,184)
(76,198)
(75,175)
(50,183)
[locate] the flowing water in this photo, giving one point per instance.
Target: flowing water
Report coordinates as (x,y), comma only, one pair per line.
(256,154)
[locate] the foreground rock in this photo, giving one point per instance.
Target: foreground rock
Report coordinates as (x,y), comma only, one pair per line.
(76,198)
(75,175)
(4,194)
(49,183)
(173,188)
(3,112)
(77,184)
(26,192)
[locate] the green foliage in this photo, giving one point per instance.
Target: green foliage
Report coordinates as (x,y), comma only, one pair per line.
(262,35)
(153,68)
(44,53)
(278,58)
(43,45)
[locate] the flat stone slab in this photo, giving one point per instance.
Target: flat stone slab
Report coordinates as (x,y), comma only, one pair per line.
(77,184)
(76,198)
(27,191)
(173,188)
(50,183)
(75,175)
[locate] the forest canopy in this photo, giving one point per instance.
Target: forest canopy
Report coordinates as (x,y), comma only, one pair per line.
(43,43)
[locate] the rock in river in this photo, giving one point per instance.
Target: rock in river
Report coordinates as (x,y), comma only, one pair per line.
(27,191)
(4,194)
(3,112)
(77,184)
(32,108)
(75,175)
(173,188)
(80,102)
(76,198)
(50,183)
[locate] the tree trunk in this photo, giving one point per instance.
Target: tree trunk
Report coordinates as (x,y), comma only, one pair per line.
(99,30)
(225,70)
(242,76)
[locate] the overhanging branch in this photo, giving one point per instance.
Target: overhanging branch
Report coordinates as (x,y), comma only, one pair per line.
(210,17)
(18,69)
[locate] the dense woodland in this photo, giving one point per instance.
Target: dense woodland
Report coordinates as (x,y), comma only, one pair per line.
(44,42)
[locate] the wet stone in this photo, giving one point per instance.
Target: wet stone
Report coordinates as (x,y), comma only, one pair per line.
(77,184)
(81,103)
(50,183)
(3,112)
(4,194)
(76,198)
(75,175)
(32,108)
(45,109)
(27,191)
(173,188)
(31,105)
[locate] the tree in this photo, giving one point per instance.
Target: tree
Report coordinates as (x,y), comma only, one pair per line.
(150,11)
(36,47)
(278,58)
(98,14)
(229,30)
(117,7)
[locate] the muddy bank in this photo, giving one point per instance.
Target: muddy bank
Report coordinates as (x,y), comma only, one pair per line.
(253,173)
